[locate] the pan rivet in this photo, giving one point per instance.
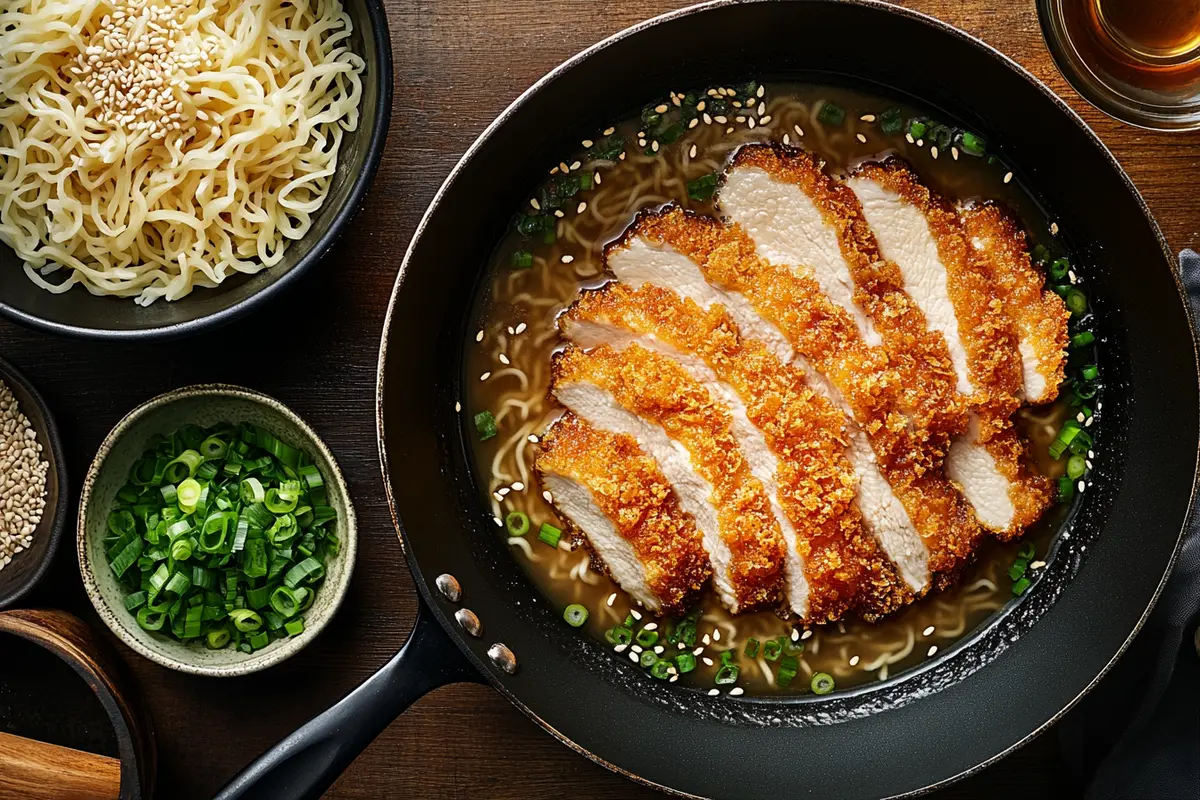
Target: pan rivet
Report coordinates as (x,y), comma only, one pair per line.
(449,586)
(503,658)
(469,620)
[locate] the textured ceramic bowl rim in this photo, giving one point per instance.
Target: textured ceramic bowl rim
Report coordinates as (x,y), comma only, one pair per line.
(285,648)
(47,428)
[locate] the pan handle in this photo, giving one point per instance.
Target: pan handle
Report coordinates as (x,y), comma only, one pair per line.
(308,761)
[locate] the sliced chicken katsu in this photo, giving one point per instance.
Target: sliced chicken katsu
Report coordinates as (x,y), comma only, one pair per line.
(919,519)
(1038,315)
(955,288)
(617,497)
(793,438)
(690,434)
(801,218)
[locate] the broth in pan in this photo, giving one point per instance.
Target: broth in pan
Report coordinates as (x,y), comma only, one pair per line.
(709,360)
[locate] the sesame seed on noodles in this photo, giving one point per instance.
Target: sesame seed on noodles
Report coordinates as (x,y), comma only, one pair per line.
(22,479)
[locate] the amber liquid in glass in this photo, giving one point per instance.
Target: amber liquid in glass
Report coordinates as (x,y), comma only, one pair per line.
(1149,44)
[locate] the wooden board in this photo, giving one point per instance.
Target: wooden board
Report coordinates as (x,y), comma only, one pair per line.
(457,65)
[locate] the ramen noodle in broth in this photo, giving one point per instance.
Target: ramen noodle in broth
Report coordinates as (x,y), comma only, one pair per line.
(508,375)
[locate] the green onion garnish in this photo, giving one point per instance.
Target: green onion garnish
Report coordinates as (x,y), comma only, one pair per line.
(831,114)
(702,188)
(787,671)
(1059,268)
(973,145)
(549,535)
(1066,489)
(1026,551)
(917,128)
(1090,373)
(685,662)
(822,683)
(1020,586)
(648,658)
(216,532)
(1076,302)
(727,674)
(646,638)
(1083,339)
(772,649)
(751,650)
(516,523)
(1076,466)
(575,615)
(485,425)
(891,122)
(660,669)
(621,634)
(1017,570)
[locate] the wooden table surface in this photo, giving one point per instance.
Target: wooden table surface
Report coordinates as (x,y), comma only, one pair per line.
(457,66)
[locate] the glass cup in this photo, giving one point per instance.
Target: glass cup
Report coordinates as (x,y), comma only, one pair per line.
(1136,60)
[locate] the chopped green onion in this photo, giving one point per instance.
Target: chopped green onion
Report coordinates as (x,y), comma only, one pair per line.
(704,187)
(751,650)
(973,145)
(1066,489)
(150,620)
(522,259)
(1059,268)
(1090,373)
(1076,302)
(661,669)
(245,619)
(1018,568)
(188,494)
(549,535)
(685,663)
(286,601)
(891,122)
(822,683)
(1026,551)
(213,448)
(648,658)
(183,466)
(294,627)
(1076,466)
(646,638)
(917,128)
(517,523)
(787,671)
(575,615)
(218,637)
(1083,339)
(727,674)
(772,649)
(252,491)
(135,601)
(585,180)
(485,425)
(1020,586)
(621,634)
(306,571)
(831,114)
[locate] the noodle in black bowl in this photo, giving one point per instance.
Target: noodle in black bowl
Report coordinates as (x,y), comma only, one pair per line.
(78,312)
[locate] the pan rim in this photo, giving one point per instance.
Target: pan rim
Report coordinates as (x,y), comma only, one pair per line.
(566,66)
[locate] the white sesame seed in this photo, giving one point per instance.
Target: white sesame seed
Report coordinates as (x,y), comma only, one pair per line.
(658,649)
(499,522)
(518,486)
(854,661)
(765,119)
(520,328)
(867,117)
(567,259)
(729,129)
(708,662)
(562,165)
(609,131)
(932,649)
(762,90)
(736,691)
(721,119)
(587,143)
(533,202)
(621,156)
(533,439)
(636,648)
(695,121)
(1087,463)
(928,631)
(706,639)
(1007,177)
(633,657)
(739,119)
(786,139)
(806,635)
(621,648)
(596,178)
(1054,229)
(581,207)
(672,679)
(954,153)
(1092,453)
(698,651)
(860,137)
(485,376)
(1088,423)
(713,692)
(549,498)
(920,142)
(503,358)
(707,119)
(716,635)
(1079,417)
(692,152)
(479,335)
(636,614)
(558,213)
(457,408)
(1037,565)
(503,491)
(909,137)
(750,123)
(933,151)
(661,109)
(1071,275)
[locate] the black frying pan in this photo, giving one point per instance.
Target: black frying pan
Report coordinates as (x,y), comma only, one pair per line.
(980,699)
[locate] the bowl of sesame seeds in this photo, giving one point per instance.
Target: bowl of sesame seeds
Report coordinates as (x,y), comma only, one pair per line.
(33,486)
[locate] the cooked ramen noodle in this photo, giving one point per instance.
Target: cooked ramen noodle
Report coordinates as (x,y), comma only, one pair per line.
(782,389)
(151,146)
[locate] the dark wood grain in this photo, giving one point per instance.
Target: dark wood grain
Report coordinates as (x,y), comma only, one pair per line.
(458,65)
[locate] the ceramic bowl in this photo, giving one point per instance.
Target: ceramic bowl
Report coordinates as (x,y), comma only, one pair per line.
(27,567)
(121,449)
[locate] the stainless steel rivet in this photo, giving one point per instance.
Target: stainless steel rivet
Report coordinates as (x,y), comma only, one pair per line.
(469,621)
(449,586)
(503,658)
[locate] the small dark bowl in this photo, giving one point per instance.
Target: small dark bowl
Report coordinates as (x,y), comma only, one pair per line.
(28,566)
(81,314)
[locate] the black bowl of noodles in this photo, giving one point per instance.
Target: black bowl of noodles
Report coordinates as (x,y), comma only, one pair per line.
(318,135)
